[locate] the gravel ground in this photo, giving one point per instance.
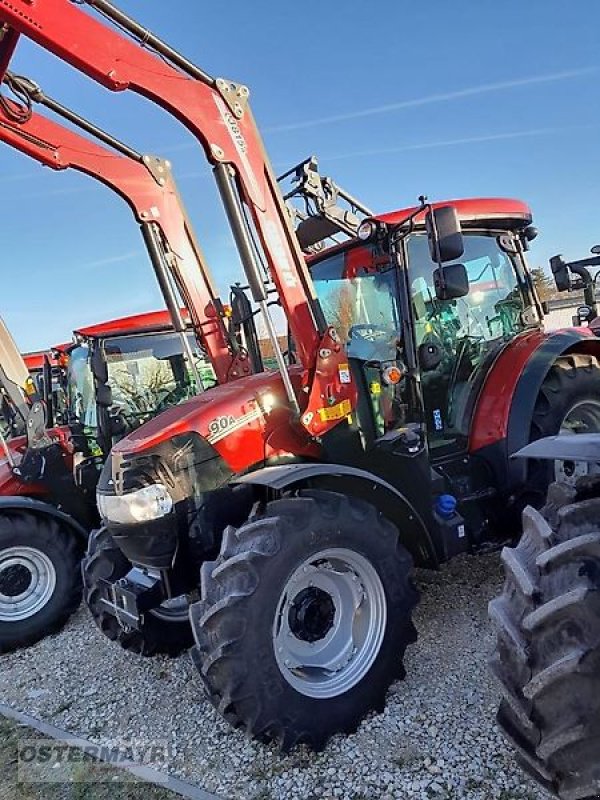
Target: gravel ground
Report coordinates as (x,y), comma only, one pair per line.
(436,739)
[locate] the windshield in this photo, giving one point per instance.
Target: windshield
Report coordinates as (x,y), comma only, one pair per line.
(147,373)
(492,309)
(465,331)
(357,291)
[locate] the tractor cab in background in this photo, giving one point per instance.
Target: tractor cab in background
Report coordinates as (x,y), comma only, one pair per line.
(123,372)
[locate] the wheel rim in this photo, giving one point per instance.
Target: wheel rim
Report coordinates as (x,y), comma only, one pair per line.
(330,623)
(583,417)
(27,582)
(174,610)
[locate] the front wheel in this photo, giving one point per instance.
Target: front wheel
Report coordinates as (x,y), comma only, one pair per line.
(304,618)
(40,584)
(163,630)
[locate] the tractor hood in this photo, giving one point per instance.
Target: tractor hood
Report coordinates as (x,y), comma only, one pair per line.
(246,421)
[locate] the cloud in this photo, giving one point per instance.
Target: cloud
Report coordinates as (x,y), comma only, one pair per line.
(458,94)
(492,137)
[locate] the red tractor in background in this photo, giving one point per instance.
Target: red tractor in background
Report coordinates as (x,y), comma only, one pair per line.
(296,502)
(119,374)
(47,510)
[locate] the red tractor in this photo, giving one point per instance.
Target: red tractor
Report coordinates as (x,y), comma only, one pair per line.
(295,502)
(47,486)
(120,374)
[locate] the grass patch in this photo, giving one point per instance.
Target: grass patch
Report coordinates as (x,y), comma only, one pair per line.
(110,787)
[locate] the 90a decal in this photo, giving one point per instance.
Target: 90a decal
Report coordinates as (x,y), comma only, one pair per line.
(220,425)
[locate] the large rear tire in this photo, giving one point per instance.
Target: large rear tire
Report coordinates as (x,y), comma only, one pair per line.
(165,630)
(40,581)
(547,656)
(304,618)
(568,402)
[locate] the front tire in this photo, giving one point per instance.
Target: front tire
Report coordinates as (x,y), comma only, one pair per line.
(161,632)
(304,618)
(548,647)
(40,582)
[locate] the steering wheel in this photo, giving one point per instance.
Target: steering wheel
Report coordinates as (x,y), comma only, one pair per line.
(369,332)
(370,342)
(173,398)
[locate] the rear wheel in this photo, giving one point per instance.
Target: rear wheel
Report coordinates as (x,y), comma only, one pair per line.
(304,618)
(568,402)
(40,583)
(164,630)
(548,648)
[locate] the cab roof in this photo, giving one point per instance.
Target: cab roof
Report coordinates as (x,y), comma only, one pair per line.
(34,361)
(152,321)
(486,212)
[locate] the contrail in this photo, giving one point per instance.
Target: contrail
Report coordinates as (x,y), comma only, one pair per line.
(105,262)
(445,97)
(492,137)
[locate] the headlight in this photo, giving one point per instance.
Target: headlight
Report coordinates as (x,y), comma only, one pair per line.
(143,505)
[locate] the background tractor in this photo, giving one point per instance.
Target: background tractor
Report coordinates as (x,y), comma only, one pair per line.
(113,377)
(290,505)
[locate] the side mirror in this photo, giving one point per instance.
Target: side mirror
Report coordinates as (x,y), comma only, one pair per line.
(444,234)
(562,276)
(595,249)
(429,356)
(451,281)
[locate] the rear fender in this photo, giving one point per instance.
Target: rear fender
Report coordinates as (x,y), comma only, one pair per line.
(574,340)
(41,509)
(359,483)
(510,410)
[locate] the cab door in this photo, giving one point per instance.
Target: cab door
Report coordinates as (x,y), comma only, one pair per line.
(466,332)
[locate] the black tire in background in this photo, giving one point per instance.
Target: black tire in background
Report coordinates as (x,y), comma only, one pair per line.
(161,631)
(40,579)
(547,655)
(260,605)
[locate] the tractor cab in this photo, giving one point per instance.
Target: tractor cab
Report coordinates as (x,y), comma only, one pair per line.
(123,372)
(383,296)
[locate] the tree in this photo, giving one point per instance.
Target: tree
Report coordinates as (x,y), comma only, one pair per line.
(543,283)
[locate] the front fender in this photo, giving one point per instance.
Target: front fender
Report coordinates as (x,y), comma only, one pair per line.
(359,483)
(38,507)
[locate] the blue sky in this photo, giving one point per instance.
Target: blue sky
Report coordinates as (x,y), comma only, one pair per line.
(397,99)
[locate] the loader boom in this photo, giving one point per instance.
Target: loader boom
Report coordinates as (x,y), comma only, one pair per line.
(147,186)
(217,113)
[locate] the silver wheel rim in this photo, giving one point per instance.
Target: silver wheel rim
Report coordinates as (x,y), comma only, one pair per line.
(330,623)
(583,417)
(174,610)
(27,582)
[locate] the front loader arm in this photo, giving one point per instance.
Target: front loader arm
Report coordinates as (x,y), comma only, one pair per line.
(147,186)
(217,113)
